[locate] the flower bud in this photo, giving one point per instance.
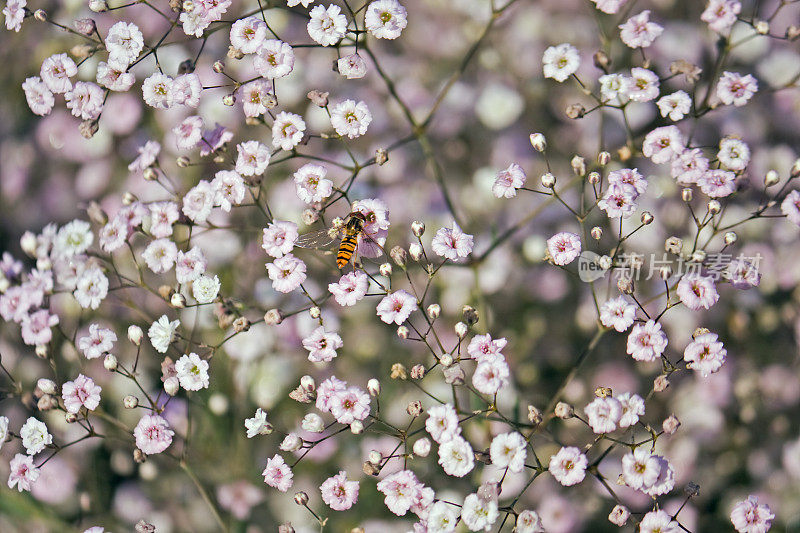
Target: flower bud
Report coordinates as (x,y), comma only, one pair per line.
(691,489)
(301,498)
(130,402)
(603,392)
(318,98)
(233,53)
(673,245)
(371,469)
(661,383)
(461,329)
(597,233)
(414,408)
(624,153)
(792,32)
(138,456)
(291,443)
(593,177)
(665,272)
(603,158)
(418,228)
(218,66)
(182,162)
(698,256)
(398,255)
(386,269)
(470,315)
(402,332)
(375,457)
(762,27)
(714,207)
(40,15)
(41,351)
(534,415)
(313,422)
(417,371)
(47,386)
(398,372)
(647,218)
(625,285)
(422,447)
(538,142)
(381,156)
(150,174)
(46,403)
(374,387)
(310,216)
(85,26)
(731,237)
(143,527)
(241,324)
(446,360)
(172,385)
(177,300)
(415,251)
(71,418)
(771,178)
(795,168)
(548,181)
(356,427)
(574,111)
(273,317)
(307,382)
(314,312)
(28,243)
(687,195)
(434,311)
(670,425)
(229,99)
(564,410)
(578,165)
(601,60)
(619,515)
(110,362)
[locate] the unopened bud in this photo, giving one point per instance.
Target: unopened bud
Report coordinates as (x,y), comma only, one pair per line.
(762,27)
(548,181)
(619,515)
(730,237)
(414,408)
(371,469)
(308,384)
(647,218)
(538,142)
(41,351)
(71,418)
(470,315)
(461,329)
(172,385)
(624,153)
(698,256)
(374,387)
(714,207)
(687,195)
(386,270)
(534,415)
(673,245)
(434,311)
(110,362)
(381,156)
(229,99)
(417,371)
(601,60)
(670,424)
(177,300)
(356,427)
(661,383)
(575,111)
(795,168)
(603,158)
(85,26)
(47,386)
(398,255)
(418,228)
(130,402)
(40,15)
(792,32)
(273,317)
(691,489)
(129,198)
(150,174)
(771,178)
(415,251)
(625,285)
(218,66)
(182,162)
(597,233)
(318,98)
(241,324)
(593,178)
(314,312)
(665,272)
(98,6)
(578,165)
(402,332)
(138,456)
(143,527)
(446,360)
(165,291)
(301,498)
(564,410)
(422,447)
(28,243)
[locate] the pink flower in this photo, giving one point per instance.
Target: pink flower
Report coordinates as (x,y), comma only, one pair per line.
(85,100)
(643,85)
(663,144)
(322,345)
(277,474)
(442,423)
(647,342)
(147,156)
(568,466)
(286,273)
(162,216)
(396,307)
(721,14)
(689,166)
(735,89)
(717,183)
(82,392)
(160,255)
(639,32)
(401,491)
(190,265)
(98,342)
(279,238)
(790,206)
(705,354)
(248,34)
(508,181)
(350,405)
(632,409)
(609,6)
(452,243)
(350,288)
(230,189)
(327,391)
(618,313)
(22,472)
(153,434)
(312,185)
(604,414)
(288,129)
(483,347)
(188,133)
(658,522)
(619,200)
(275,59)
(40,99)
(352,66)
(338,492)
(239,498)
(697,291)
(36,327)
(491,375)
(748,516)
(564,247)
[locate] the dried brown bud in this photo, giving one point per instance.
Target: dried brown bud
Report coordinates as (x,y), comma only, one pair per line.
(414,408)
(534,415)
(564,410)
(88,128)
(470,315)
(398,372)
(601,60)
(241,324)
(575,111)
(381,156)
(318,98)
(689,70)
(603,392)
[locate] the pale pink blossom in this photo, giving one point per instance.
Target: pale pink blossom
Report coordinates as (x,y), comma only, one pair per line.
(749,516)
(452,243)
(275,59)
(190,265)
(697,291)
(663,144)
(647,342)
(604,414)
(312,185)
(81,392)
(717,183)
(162,216)
(705,354)
(658,522)
(568,466)
(350,405)
(322,345)
(618,313)
(252,158)
(639,32)
(277,474)
(153,434)
(248,34)
(23,473)
(350,289)
(396,307)
(99,341)
(456,457)
(279,238)
(720,15)
(286,273)
(339,493)
(564,247)
(442,423)
(160,255)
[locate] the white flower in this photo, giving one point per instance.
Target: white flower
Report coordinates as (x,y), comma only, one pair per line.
(275,59)
(456,457)
(508,181)
(327,26)
(257,425)
(312,185)
(205,289)
(252,159)
(385,19)
(162,333)
(56,72)
(288,129)
(604,414)
(156,91)
(73,239)
(350,118)
(3,430)
(192,372)
(508,451)
(124,42)
(248,34)
(442,518)
(352,66)
(479,513)
(568,466)
(560,62)
(675,105)
(35,436)
(452,243)
(618,313)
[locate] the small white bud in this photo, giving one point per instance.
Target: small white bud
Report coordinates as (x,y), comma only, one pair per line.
(603,158)
(308,384)
(386,269)
(291,443)
(374,387)
(415,251)
(647,218)
(314,312)
(434,311)
(229,100)
(172,385)
(418,228)
(178,300)
(538,142)
(578,165)
(135,334)
(47,386)
(597,233)
(313,422)
(130,402)
(771,178)
(110,362)
(422,447)
(548,181)
(28,243)
(375,457)
(446,359)
(762,27)
(402,332)
(730,237)
(714,207)
(461,329)
(356,427)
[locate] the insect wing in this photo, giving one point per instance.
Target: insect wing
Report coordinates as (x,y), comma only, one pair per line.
(371,245)
(317,239)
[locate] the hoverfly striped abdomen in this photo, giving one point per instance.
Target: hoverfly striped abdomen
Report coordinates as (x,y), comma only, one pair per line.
(353,228)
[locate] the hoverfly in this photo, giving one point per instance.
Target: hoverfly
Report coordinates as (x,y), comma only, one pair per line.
(350,232)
